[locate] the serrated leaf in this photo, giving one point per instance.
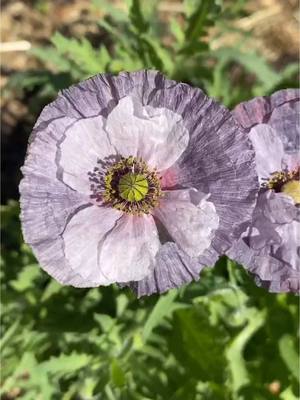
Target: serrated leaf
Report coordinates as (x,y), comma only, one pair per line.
(65,363)
(162,54)
(162,308)
(137,18)
(51,56)
(9,334)
(199,19)
(81,52)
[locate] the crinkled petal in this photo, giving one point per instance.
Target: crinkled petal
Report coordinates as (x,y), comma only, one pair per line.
(127,252)
(260,109)
(269,247)
(46,206)
(173,269)
(269,151)
(275,267)
(44,216)
(85,144)
(280,111)
(190,223)
(157,135)
(278,208)
(214,157)
(272,209)
(83,237)
(289,249)
(269,272)
(273,233)
(218,161)
(289,284)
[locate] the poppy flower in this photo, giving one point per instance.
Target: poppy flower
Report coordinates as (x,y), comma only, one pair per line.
(269,247)
(134,179)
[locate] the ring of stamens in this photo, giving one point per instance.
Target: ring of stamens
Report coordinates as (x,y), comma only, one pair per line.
(131,187)
(286,182)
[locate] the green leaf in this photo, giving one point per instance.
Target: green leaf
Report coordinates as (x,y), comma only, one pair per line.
(52,288)
(177,31)
(163,307)
(26,278)
(253,63)
(82,53)
(234,352)
(9,334)
(136,17)
(114,12)
(289,355)
(52,56)
(288,394)
(198,344)
(200,18)
(117,374)
(65,364)
(105,321)
(163,55)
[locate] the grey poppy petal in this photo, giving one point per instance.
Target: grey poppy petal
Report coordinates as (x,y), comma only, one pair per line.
(280,111)
(268,272)
(219,161)
(269,248)
(173,269)
(192,226)
(284,285)
(216,160)
(260,109)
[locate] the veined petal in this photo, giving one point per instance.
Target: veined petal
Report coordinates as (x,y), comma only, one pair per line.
(289,248)
(189,218)
(269,247)
(127,252)
(85,143)
(269,151)
(168,124)
(82,241)
(157,135)
(173,269)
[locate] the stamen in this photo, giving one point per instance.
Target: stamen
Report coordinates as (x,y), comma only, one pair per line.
(131,187)
(286,182)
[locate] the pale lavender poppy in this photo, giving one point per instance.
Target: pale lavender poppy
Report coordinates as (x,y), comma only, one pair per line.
(135,179)
(269,248)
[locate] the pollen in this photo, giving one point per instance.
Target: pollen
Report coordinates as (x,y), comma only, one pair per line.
(132,187)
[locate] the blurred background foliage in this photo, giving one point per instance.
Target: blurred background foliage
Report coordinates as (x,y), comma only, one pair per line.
(222,338)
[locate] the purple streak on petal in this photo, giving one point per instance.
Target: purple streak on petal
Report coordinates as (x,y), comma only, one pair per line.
(173,269)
